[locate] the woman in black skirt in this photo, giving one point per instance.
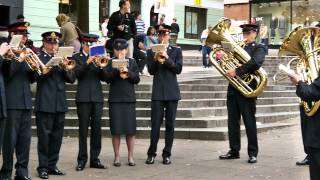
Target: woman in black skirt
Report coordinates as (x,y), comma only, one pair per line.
(122,100)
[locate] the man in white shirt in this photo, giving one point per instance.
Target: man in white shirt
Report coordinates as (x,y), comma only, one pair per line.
(104,28)
(205,49)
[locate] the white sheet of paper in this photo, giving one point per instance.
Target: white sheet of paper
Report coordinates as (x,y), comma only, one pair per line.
(15,41)
(286,70)
(116,63)
(158,47)
(65,51)
(54,61)
(227,46)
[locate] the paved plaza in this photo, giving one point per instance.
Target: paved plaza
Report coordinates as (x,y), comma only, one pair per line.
(193,159)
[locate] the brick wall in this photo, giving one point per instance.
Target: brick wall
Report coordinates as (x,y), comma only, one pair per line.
(237,11)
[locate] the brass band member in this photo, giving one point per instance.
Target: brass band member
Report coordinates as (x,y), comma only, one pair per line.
(238,105)
(310,93)
(50,108)
(122,100)
(89,100)
(164,66)
(17,134)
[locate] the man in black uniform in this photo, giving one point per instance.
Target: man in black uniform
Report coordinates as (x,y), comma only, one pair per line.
(17,134)
(164,66)
(304,125)
(311,93)
(89,99)
(123,26)
(238,105)
(50,108)
(4,48)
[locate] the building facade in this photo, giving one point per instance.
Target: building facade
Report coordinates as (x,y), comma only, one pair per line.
(193,16)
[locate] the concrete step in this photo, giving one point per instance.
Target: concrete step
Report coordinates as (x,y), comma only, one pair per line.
(195,86)
(199,122)
(203,111)
(201,94)
(185,103)
(218,133)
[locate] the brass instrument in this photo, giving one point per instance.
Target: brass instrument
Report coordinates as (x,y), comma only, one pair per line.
(67,64)
(23,54)
(101,61)
(304,42)
(225,60)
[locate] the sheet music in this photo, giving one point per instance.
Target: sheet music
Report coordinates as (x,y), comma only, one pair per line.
(15,41)
(116,63)
(54,61)
(158,47)
(65,51)
(286,70)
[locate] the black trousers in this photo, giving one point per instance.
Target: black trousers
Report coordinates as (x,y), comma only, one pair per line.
(314,160)
(17,138)
(304,128)
(141,59)
(2,124)
(238,106)
(50,132)
(158,110)
(89,114)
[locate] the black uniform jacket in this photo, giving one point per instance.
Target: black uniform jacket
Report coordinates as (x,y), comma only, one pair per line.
(51,95)
(18,77)
(122,90)
(311,93)
(165,85)
(257,53)
(117,19)
(89,77)
(3,105)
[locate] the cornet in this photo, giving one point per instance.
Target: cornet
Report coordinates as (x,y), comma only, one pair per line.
(101,61)
(67,64)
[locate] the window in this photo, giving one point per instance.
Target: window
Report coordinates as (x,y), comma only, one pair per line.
(195,22)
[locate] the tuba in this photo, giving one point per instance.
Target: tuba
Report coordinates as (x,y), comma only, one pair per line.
(305,43)
(224,60)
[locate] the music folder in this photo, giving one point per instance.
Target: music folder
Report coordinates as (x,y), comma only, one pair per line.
(97,50)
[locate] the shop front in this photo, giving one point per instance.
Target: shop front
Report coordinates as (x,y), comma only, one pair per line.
(278,18)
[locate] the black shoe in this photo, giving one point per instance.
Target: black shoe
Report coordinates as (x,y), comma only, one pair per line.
(80,167)
(5,177)
(131,163)
(230,155)
(252,159)
(97,165)
(21,178)
(166,160)
(304,162)
(150,160)
(56,172)
(43,174)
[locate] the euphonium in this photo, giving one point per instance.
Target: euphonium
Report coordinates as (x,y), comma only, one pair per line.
(224,61)
(304,42)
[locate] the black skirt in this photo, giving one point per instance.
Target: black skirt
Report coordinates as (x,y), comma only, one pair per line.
(122,118)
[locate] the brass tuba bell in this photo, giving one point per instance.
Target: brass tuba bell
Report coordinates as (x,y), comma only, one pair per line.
(226,60)
(305,43)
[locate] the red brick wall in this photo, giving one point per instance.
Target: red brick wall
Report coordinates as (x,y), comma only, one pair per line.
(237,11)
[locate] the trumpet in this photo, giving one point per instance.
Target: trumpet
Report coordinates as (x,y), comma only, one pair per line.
(101,61)
(15,53)
(67,64)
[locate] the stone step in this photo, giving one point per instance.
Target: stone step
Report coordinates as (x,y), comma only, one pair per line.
(218,133)
(203,111)
(214,102)
(201,94)
(191,87)
(199,122)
